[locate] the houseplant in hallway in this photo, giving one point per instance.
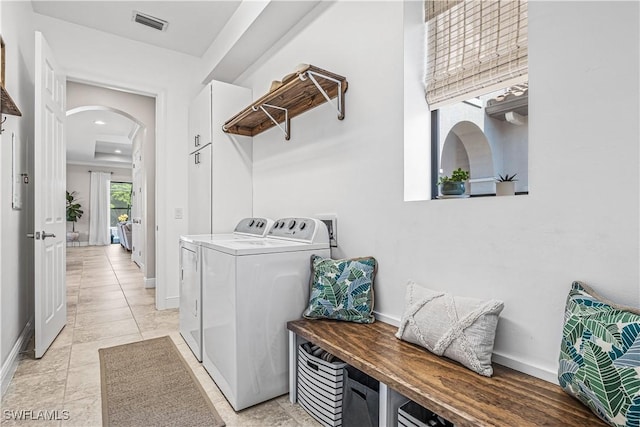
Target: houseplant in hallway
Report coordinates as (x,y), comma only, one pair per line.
(74,213)
(506,185)
(455,184)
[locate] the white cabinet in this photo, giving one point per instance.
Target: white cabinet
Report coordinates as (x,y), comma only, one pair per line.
(200,120)
(220,172)
(199,192)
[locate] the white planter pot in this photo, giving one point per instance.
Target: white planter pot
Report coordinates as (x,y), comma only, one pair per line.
(506,188)
(72,236)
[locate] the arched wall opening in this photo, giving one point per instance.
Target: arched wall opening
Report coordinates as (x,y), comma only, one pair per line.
(466,146)
(140,109)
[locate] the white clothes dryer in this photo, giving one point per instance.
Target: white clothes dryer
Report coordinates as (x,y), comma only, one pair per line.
(190,312)
(251,289)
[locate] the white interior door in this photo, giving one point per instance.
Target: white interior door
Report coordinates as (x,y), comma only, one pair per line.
(49,179)
(137,211)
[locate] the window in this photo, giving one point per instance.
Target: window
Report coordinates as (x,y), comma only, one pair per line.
(487,136)
(120,202)
(476,86)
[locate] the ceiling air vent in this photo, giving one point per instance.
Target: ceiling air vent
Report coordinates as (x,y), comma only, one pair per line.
(150,21)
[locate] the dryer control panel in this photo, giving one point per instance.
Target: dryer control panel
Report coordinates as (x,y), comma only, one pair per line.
(253,226)
(306,229)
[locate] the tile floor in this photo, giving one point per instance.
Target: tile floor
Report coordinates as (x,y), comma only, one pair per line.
(108,305)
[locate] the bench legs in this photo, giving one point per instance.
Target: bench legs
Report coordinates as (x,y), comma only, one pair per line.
(382,409)
(293,367)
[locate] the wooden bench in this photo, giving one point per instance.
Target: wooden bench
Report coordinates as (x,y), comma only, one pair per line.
(509,398)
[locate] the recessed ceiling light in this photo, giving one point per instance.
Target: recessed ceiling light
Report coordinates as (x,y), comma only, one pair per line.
(99,122)
(117,151)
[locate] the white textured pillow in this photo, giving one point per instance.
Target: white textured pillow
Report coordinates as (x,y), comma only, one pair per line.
(462,329)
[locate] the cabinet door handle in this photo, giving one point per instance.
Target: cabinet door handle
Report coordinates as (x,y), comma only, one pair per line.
(197,158)
(197,141)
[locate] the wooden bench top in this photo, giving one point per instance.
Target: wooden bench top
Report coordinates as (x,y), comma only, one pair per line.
(509,398)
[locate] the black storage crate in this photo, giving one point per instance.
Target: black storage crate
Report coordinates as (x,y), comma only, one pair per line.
(413,415)
(360,402)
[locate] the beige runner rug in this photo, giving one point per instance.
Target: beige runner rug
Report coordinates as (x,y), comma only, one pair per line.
(148,383)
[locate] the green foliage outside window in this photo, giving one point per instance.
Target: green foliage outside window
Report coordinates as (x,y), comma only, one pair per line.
(120,201)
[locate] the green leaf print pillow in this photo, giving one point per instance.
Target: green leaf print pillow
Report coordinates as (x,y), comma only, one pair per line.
(600,356)
(342,289)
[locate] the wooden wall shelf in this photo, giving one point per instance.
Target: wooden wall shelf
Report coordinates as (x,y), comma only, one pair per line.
(8,106)
(307,88)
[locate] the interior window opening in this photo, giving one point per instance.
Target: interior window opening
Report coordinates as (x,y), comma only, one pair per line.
(486,136)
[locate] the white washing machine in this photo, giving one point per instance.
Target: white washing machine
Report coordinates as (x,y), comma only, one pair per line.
(191,279)
(251,289)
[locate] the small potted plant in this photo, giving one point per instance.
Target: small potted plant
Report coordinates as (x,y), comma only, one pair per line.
(74,213)
(454,185)
(506,185)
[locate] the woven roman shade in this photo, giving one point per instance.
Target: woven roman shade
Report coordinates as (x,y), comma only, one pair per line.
(433,8)
(474,47)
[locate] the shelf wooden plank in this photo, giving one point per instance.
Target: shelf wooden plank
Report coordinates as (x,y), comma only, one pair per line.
(8,106)
(296,95)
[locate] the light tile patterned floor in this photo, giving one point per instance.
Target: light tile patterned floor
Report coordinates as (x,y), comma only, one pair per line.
(108,305)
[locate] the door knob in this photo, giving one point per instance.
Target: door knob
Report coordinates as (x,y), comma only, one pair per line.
(45,235)
(34,236)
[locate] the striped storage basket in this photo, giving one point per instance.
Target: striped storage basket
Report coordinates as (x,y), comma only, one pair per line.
(320,388)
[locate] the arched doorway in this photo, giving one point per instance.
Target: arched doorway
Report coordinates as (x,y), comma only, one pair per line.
(466,146)
(102,137)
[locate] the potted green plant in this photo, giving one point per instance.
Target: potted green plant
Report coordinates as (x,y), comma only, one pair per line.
(74,213)
(455,184)
(506,185)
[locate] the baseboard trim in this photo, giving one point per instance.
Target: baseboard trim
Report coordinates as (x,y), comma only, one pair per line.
(172,302)
(533,370)
(11,364)
(387,319)
(149,282)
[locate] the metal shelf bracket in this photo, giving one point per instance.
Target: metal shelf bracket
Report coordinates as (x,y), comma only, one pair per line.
(287,128)
(340,97)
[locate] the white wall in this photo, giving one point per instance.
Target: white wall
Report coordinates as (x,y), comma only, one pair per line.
(524,250)
(79,180)
(16,251)
(98,57)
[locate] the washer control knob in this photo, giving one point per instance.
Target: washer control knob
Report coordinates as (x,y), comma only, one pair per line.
(252,222)
(292,224)
(303,225)
(282,224)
